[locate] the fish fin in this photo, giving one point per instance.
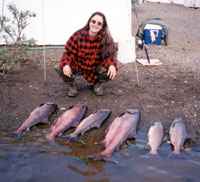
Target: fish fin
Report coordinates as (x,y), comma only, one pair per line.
(99,157)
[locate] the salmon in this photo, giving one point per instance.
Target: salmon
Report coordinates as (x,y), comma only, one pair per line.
(178,135)
(40,114)
(155,137)
(92,121)
(122,128)
(70,118)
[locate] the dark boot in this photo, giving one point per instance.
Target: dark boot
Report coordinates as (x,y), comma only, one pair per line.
(101,73)
(73,91)
(102,77)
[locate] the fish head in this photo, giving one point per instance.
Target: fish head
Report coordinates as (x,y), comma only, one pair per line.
(55,107)
(52,107)
(178,120)
(83,107)
(158,124)
(173,124)
(133,111)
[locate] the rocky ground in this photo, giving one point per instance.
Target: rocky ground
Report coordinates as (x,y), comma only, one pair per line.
(161,92)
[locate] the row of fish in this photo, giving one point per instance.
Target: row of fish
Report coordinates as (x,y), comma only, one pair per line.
(122,127)
(177,136)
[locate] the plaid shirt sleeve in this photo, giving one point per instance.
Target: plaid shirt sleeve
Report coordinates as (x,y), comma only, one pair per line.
(70,52)
(111,61)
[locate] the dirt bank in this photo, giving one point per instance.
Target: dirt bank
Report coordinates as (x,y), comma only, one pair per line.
(162,93)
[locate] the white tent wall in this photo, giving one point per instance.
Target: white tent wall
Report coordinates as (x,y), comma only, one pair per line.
(55,21)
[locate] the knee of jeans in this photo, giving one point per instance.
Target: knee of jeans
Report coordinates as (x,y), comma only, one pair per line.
(101,70)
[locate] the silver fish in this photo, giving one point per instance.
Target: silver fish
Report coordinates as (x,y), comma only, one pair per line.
(178,135)
(40,114)
(155,137)
(69,118)
(121,129)
(92,121)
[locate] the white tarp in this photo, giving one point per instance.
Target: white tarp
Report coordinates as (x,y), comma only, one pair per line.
(192,3)
(162,1)
(187,3)
(55,21)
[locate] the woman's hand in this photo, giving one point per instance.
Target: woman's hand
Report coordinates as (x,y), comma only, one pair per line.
(112,72)
(67,70)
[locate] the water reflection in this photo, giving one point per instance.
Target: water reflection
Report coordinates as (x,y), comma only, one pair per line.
(33,159)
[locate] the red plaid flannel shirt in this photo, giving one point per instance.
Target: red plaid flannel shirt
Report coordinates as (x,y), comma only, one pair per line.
(81,53)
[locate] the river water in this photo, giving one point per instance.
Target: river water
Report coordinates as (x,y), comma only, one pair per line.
(33,159)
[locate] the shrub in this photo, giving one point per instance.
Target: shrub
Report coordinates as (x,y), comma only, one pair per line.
(12,57)
(12,28)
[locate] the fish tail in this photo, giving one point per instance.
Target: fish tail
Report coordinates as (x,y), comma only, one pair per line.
(20,129)
(153,152)
(16,134)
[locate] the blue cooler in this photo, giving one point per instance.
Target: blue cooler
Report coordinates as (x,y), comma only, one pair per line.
(152,34)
